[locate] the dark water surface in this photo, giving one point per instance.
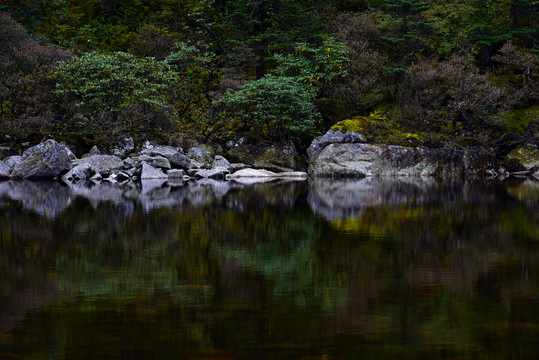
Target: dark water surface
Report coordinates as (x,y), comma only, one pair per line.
(370,269)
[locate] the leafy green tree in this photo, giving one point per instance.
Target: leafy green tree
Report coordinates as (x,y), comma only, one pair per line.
(100,90)
(281,104)
(275,107)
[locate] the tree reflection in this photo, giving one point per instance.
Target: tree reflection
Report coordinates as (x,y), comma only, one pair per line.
(418,268)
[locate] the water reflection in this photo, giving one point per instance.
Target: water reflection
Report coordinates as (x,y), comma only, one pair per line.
(335,199)
(326,269)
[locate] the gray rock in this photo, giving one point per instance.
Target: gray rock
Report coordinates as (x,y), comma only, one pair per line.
(156,161)
(149,172)
(332,137)
(94,151)
(13,160)
(103,164)
(217,173)
(275,157)
(46,160)
(181,161)
(360,160)
(129,163)
(4,170)
(70,153)
(254,173)
(523,158)
(77,173)
(201,157)
(221,162)
(175,173)
(237,166)
(159,150)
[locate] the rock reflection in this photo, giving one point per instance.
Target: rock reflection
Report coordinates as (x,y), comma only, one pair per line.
(425,262)
(336,199)
(49,199)
(46,198)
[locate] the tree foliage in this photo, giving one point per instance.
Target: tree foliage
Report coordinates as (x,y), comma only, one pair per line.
(25,101)
(281,104)
(98,90)
(185,63)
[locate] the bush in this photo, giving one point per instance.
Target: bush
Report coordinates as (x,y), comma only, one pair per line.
(281,105)
(108,95)
(451,97)
(275,107)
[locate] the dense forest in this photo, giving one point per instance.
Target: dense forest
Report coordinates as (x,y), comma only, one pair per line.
(94,71)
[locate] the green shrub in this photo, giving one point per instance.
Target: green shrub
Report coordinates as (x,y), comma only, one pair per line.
(99,92)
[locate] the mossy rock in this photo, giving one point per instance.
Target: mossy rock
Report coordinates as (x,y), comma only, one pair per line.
(523,158)
(380,130)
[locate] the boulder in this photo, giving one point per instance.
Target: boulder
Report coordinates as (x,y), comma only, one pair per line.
(220,162)
(156,161)
(175,173)
(201,157)
(94,151)
(255,173)
(281,156)
(333,137)
(4,170)
(70,153)
(46,160)
(217,173)
(103,164)
(149,172)
(360,160)
(523,158)
(13,160)
(77,173)
(160,150)
(180,161)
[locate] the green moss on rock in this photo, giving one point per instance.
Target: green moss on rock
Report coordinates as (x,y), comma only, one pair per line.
(523,158)
(381,130)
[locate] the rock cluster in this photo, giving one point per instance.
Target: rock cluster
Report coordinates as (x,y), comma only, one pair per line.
(51,160)
(336,154)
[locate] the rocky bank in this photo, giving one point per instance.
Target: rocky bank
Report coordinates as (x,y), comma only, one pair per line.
(343,152)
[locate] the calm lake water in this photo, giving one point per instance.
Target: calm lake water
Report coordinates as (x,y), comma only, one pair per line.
(369,269)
